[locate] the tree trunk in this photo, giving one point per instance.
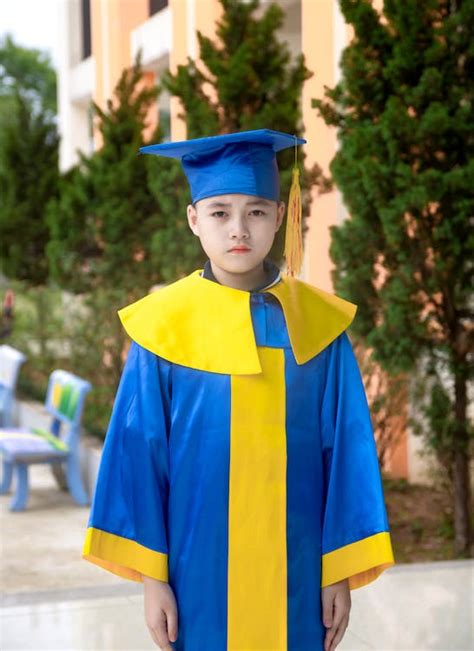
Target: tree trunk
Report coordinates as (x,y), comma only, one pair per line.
(462,488)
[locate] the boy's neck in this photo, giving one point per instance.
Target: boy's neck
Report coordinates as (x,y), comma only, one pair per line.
(251,280)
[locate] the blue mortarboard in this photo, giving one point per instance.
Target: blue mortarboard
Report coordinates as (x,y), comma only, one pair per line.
(243,162)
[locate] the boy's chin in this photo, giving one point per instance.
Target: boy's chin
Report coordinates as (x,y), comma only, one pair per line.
(240,266)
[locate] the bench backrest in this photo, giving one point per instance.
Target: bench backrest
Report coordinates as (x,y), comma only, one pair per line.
(65,402)
(10,361)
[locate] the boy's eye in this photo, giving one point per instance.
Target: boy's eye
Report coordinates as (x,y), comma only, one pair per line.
(222,213)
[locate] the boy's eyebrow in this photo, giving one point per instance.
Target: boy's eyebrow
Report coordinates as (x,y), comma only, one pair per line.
(218,204)
(259,202)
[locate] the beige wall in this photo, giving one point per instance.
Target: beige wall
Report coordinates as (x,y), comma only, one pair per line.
(111,22)
(320,49)
(189,17)
(178,56)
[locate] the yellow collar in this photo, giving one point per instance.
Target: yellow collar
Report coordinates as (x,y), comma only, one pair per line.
(202,324)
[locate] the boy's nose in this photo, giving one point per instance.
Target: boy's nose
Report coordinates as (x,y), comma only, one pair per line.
(239,228)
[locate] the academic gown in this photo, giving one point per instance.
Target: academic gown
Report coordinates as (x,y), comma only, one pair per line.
(239,464)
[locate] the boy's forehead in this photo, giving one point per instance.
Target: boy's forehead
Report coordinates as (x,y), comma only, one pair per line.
(229,200)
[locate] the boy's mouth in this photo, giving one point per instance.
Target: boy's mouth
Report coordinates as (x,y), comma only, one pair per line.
(239,249)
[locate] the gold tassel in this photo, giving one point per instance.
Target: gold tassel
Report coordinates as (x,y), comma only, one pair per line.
(293,237)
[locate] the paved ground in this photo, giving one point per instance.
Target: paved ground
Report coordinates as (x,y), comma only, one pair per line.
(52,599)
(41,546)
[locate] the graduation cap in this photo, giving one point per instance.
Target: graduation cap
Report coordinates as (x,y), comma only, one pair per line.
(243,162)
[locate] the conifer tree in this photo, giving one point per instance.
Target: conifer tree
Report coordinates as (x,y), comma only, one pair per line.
(28,180)
(404,114)
(28,159)
(245,79)
(30,71)
(102,224)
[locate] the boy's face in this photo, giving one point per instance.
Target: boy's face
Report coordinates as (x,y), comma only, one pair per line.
(227,221)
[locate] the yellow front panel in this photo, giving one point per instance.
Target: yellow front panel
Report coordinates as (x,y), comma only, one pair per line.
(257,570)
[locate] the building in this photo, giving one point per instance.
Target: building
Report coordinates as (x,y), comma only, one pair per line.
(101,37)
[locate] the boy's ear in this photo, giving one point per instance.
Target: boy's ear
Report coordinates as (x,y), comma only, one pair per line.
(192,218)
(281,207)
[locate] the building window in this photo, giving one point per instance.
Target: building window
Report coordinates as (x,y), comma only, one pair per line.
(86,29)
(164,114)
(154,6)
(164,120)
(90,128)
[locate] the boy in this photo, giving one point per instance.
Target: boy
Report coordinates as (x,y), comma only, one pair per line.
(239,479)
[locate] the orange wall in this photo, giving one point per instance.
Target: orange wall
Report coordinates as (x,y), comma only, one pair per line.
(207,13)
(185,27)
(317,18)
(178,56)
(111,24)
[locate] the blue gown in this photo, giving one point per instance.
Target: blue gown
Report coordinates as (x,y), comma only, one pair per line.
(248,490)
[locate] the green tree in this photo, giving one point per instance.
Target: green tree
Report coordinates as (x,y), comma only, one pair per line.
(105,217)
(405,167)
(28,159)
(245,79)
(30,71)
(175,249)
(28,180)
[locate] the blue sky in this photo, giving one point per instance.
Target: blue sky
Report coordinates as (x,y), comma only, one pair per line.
(32,23)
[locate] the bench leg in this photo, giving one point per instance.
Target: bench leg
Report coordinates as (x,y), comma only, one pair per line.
(6,477)
(74,481)
(58,473)
(20,497)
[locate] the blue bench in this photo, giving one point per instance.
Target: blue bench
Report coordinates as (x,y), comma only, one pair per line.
(58,446)
(11,360)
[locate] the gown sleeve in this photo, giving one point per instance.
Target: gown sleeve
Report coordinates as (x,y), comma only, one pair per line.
(127,529)
(356,541)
